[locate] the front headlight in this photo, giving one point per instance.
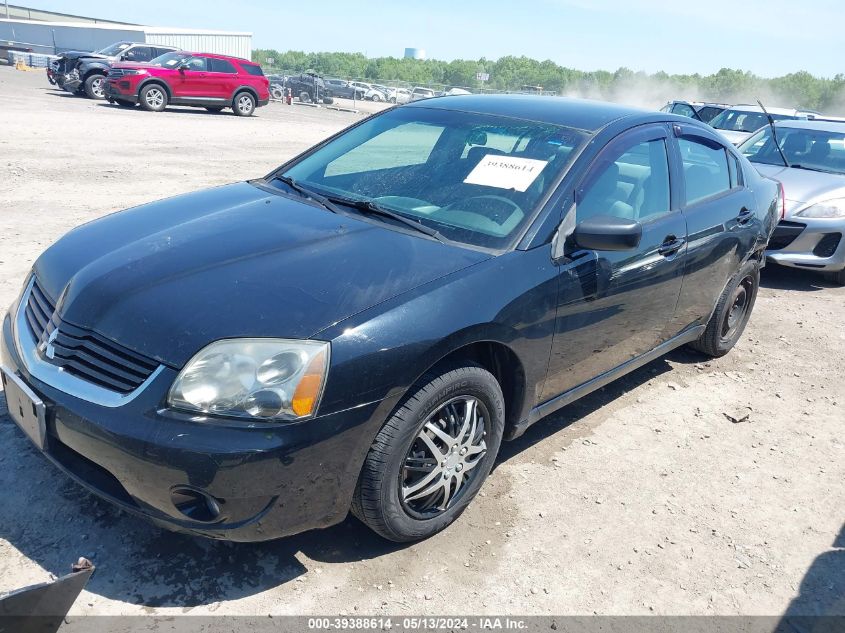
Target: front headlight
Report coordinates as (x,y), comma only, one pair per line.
(828,209)
(256,378)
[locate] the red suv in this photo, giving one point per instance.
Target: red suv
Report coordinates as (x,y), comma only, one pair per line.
(191,79)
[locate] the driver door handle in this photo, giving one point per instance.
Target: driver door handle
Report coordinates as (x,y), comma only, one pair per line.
(671,245)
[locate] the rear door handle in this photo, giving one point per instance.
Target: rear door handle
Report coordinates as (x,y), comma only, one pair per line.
(671,246)
(745,215)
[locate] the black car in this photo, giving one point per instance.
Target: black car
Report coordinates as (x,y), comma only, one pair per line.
(343,89)
(84,73)
(698,110)
(309,87)
(362,327)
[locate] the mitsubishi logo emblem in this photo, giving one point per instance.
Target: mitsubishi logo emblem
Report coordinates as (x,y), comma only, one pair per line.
(46,347)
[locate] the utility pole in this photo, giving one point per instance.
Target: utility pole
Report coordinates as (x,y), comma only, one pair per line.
(7,9)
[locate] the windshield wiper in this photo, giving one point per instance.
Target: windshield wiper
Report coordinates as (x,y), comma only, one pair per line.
(307,193)
(372,208)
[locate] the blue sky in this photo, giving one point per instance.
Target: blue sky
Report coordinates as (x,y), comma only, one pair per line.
(768,37)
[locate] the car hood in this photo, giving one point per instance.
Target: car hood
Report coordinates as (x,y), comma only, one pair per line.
(803,187)
(167,278)
(83,54)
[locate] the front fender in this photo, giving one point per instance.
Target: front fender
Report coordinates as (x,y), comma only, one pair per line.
(86,69)
(509,300)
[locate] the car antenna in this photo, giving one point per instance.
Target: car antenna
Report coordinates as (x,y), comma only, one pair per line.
(774,133)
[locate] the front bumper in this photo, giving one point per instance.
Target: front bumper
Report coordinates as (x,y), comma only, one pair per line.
(810,243)
(268,482)
(121,88)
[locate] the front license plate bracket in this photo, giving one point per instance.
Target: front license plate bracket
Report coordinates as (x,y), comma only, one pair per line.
(26,409)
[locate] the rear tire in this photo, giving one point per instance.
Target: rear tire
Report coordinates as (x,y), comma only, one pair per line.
(411,486)
(153,98)
(304,97)
(243,104)
(95,87)
(732,312)
(837,277)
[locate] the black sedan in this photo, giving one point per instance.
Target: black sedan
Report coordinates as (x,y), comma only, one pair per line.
(361,328)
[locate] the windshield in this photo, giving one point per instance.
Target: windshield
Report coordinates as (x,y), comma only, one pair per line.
(473,178)
(169,60)
(810,149)
(114,49)
(744,121)
(708,113)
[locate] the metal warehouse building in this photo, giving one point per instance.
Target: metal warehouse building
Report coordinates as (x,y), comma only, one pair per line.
(52,33)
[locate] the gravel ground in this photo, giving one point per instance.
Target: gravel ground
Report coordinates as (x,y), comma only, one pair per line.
(643,498)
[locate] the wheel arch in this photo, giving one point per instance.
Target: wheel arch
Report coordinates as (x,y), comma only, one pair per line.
(93,70)
(158,81)
(497,358)
(248,89)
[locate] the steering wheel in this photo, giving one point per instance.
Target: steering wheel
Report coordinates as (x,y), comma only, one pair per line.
(495,208)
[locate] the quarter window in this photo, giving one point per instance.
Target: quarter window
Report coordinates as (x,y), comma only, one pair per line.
(706,170)
(253,69)
(634,186)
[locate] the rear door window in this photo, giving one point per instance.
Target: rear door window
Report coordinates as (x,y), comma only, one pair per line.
(221,66)
(138,54)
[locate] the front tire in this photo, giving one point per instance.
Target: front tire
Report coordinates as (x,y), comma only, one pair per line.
(431,457)
(153,98)
(244,104)
(732,312)
(95,87)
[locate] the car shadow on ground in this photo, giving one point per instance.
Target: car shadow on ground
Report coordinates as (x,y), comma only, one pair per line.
(784,278)
(140,564)
(821,592)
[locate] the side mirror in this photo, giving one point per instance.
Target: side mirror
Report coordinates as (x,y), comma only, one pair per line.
(183,67)
(608,233)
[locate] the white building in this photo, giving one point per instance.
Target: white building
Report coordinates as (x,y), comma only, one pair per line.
(39,36)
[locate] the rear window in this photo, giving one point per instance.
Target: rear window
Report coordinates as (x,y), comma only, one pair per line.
(253,69)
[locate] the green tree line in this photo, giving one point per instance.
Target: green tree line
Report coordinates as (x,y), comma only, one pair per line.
(510,73)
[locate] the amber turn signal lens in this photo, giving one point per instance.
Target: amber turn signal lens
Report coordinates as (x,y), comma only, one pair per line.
(308,391)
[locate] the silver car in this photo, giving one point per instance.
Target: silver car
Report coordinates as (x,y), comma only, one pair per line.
(811,169)
(739,122)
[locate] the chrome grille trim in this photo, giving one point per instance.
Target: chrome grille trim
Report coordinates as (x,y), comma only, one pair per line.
(60,377)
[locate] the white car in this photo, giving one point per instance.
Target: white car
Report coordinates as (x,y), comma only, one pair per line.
(399,95)
(739,122)
(421,93)
(456,91)
(377,93)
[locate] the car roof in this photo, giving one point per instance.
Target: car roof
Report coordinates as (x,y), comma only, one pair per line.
(582,114)
(747,107)
(821,125)
(218,56)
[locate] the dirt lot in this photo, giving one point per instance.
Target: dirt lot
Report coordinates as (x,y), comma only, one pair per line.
(643,498)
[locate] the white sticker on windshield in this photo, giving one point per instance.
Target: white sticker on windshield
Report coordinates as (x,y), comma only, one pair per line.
(506,172)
